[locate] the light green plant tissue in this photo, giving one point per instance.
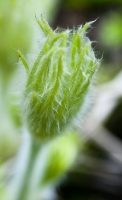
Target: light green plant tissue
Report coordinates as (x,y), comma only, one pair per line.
(58,81)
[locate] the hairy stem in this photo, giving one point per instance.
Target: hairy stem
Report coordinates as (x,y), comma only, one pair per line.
(23,189)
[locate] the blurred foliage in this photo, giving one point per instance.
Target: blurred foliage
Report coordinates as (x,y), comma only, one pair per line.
(15,110)
(92,3)
(2,188)
(18,30)
(107,72)
(110,30)
(9,140)
(15,33)
(110,43)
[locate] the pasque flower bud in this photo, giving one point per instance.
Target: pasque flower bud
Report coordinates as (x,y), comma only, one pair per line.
(59,80)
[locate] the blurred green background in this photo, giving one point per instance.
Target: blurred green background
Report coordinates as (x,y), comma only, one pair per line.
(97,172)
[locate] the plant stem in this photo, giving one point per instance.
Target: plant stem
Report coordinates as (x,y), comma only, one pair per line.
(23,189)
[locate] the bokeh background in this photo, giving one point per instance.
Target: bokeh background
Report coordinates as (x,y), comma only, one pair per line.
(97,171)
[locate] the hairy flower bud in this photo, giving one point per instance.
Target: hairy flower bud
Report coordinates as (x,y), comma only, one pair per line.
(59,80)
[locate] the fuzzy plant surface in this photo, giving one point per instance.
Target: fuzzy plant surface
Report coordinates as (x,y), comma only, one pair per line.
(59,80)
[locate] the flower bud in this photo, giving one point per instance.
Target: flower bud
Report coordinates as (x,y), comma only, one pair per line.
(59,80)
(59,159)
